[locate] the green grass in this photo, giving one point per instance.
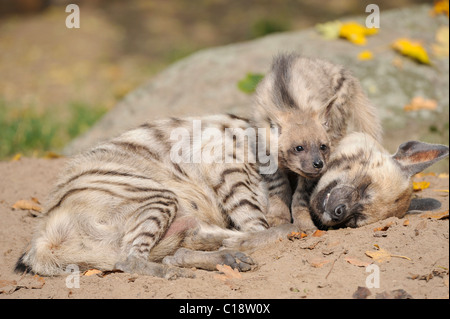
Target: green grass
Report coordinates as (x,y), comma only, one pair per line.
(32,132)
(249,83)
(264,27)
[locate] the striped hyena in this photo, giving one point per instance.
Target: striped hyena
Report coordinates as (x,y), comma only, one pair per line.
(312,103)
(171,186)
(364,183)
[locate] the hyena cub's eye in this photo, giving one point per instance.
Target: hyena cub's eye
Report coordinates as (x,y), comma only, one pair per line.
(323,147)
(298,148)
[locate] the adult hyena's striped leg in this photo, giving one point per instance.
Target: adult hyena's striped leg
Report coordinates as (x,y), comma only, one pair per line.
(208,260)
(240,194)
(280,195)
(144,229)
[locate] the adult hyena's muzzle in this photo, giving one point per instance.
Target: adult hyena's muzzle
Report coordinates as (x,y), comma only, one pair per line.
(337,205)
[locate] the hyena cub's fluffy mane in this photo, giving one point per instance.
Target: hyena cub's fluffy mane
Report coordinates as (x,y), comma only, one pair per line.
(364,183)
(313,103)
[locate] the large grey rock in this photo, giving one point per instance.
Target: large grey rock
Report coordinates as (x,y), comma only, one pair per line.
(206,82)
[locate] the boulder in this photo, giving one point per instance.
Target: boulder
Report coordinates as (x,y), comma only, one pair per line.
(206,81)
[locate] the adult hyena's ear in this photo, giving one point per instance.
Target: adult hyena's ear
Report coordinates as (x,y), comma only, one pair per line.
(419,205)
(413,157)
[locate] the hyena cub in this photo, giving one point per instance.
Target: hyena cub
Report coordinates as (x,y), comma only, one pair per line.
(364,183)
(313,103)
(132,202)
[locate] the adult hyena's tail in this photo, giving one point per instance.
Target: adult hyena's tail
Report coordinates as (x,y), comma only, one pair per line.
(21,267)
(51,248)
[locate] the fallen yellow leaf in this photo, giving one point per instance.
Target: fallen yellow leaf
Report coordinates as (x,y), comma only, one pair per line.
(296,235)
(365,55)
(441,47)
(412,49)
(382,255)
(385,227)
(27,205)
(419,103)
(52,155)
(91,272)
(228,272)
(418,186)
(356,33)
(329,30)
(440,7)
(16,157)
(319,233)
(356,262)
(319,262)
(433,215)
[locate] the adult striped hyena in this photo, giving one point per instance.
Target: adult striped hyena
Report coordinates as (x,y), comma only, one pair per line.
(172,186)
(313,103)
(364,183)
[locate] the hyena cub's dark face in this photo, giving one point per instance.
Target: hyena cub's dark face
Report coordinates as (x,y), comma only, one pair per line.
(304,147)
(365,184)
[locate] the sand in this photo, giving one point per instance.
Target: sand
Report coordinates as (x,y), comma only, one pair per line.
(334,265)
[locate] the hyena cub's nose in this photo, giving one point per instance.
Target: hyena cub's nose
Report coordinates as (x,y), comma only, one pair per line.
(339,212)
(318,164)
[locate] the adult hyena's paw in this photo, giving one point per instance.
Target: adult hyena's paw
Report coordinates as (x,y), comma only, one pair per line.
(302,220)
(237,260)
(305,225)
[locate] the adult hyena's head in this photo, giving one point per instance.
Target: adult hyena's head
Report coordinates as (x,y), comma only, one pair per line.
(365,184)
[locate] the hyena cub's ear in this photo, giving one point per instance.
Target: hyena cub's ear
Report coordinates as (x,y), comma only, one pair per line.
(326,113)
(413,157)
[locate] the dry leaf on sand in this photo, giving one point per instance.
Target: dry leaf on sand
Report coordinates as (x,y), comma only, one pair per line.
(319,233)
(380,255)
(356,262)
(318,262)
(228,273)
(434,215)
(25,204)
(26,282)
(385,227)
(228,276)
(91,272)
(296,235)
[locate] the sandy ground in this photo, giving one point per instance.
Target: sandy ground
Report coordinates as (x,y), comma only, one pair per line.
(330,266)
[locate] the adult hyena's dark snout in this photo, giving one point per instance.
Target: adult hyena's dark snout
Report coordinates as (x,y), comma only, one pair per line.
(337,204)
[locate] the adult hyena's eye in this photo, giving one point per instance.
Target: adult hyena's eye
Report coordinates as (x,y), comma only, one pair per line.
(298,148)
(323,147)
